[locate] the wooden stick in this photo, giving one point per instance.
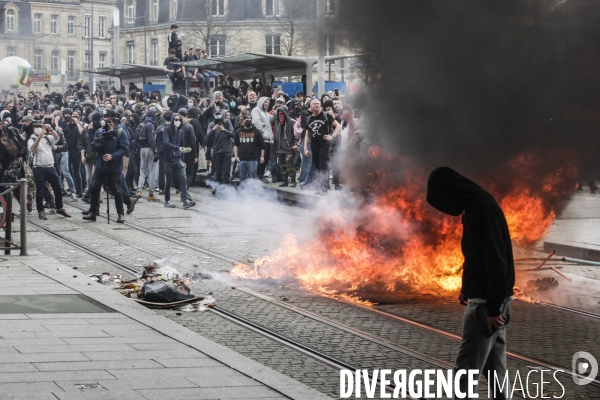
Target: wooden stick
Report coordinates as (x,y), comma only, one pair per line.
(560,273)
(540,269)
(546,259)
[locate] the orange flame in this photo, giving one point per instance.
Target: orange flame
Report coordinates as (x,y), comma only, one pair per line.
(397,241)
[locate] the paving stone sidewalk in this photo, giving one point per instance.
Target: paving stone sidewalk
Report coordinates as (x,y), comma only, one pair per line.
(121,351)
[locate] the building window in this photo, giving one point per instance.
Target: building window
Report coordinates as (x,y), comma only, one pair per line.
(218,7)
(173,9)
(330,7)
(217,46)
(130,12)
(272,8)
(131,52)
(71,25)
(273,44)
(102,27)
(10,20)
(102,60)
(88,60)
(154,10)
(154,52)
(87,26)
(54,61)
(37,23)
(54,24)
(329,45)
(70,63)
(10,51)
(37,59)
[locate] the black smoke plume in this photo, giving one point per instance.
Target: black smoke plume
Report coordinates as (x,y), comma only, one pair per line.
(472,84)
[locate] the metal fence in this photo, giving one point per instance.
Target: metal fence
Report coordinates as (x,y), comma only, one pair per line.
(8,197)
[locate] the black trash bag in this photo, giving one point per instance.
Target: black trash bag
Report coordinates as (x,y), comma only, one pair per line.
(162,292)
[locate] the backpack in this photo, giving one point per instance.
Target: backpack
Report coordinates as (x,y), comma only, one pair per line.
(140,135)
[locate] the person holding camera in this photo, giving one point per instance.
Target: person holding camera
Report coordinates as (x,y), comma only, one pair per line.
(72,129)
(41,144)
(221,133)
(110,145)
(173,158)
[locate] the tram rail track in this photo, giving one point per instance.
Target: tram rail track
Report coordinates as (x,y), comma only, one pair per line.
(245,322)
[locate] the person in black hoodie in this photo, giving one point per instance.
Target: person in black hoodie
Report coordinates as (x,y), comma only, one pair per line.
(249,148)
(189,140)
(488,271)
(174,160)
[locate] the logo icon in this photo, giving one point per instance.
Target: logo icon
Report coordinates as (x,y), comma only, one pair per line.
(579,367)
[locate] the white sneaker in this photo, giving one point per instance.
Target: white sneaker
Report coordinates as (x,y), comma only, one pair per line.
(74,197)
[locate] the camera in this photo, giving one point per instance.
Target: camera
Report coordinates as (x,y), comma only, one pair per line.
(104,137)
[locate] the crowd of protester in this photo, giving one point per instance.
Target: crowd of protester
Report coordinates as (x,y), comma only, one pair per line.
(72,145)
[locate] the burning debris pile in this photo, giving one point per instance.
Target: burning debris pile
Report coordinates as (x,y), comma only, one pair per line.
(542,284)
(161,285)
(394,241)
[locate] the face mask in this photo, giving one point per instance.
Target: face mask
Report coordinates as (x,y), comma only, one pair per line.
(177,123)
(190,105)
(102,123)
(37,131)
(71,100)
(247,124)
(120,103)
(232,104)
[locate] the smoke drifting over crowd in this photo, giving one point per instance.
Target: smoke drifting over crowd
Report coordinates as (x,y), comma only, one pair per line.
(474,84)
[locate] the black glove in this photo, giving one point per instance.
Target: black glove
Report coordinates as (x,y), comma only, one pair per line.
(155,157)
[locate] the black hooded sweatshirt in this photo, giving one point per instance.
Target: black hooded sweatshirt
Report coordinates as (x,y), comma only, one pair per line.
(488,270)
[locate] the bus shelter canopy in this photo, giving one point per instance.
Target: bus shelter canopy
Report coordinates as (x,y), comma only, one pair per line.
(130,71)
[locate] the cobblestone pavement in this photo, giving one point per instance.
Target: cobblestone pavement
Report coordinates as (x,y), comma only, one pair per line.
(214,227)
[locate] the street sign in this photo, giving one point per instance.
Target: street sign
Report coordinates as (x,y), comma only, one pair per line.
(47,77)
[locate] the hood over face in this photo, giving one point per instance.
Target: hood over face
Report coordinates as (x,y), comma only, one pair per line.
(193,113)
(136,119)
(174,129)
(450,192)
(260,103)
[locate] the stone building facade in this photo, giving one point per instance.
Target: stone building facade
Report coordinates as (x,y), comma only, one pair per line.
(77,34)
(57,35)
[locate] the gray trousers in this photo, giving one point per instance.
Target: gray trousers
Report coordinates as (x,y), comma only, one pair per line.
(147,169)
(478,350)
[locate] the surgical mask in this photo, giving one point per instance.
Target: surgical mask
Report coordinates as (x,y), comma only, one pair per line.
(120,103)
(37,131)
(190,105)
(177,123)
(232,104)
(102,123)
(71,100)
(247,124)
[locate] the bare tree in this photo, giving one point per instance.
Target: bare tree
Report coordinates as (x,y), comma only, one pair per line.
(290,24)
(208,23)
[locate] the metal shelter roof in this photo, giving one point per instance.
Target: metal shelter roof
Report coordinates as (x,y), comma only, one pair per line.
(249,65)
(130,71)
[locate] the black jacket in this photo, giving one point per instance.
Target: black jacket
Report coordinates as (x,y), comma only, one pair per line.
(488,269)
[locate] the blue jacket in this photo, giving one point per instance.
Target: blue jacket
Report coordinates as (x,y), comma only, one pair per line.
(118,148)
(173,140)
(149,127)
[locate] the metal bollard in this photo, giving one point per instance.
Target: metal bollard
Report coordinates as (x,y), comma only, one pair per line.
(23,204)
(8,227)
